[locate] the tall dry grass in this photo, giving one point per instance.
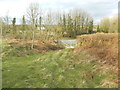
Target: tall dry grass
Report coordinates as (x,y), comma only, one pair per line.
(105,49)
(103,46)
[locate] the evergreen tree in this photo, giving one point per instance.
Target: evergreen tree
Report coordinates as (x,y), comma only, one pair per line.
(13,24)
(98,28)
(23,26)
(86,25)
(90,27)
(36,23)
(75,26)
(78,24)
(83,22)
(13,21)
(64,24)
(23,23)
(40,22)
(69,26)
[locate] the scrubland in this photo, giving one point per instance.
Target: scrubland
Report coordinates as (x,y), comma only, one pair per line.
(92,64)
(104,46)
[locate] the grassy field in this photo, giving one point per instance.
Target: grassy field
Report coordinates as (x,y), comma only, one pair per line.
(55,69)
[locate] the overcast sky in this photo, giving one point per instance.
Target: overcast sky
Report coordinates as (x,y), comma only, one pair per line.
(97,8)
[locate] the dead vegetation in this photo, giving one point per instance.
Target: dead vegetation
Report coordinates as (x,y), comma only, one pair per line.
(18,47)
(104,47)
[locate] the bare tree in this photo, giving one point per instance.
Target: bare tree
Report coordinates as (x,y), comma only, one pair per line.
(33,14)
(6,21)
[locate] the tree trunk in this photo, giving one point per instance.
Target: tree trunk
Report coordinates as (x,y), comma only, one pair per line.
(33,37)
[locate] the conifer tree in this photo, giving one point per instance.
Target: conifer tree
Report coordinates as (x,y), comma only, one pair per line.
(64,23)
(90,27)
(40,21)
(13,24)
(98,28)
(23,23)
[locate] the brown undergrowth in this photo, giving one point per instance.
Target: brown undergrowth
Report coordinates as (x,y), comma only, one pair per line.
(19,47)
(104,47)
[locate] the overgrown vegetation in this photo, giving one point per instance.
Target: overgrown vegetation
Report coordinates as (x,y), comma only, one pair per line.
(102,46)
(19,48)
(59,69)
(30,59)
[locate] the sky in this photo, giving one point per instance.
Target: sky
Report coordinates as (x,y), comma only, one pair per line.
(97,8)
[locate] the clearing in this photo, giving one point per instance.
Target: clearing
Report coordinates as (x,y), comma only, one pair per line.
(50,67)
(56,69)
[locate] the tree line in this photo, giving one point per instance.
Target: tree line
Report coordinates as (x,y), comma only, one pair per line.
(57,24)
(73,22)
(108,25)
(76,22)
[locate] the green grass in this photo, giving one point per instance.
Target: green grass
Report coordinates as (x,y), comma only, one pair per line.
(16,50)
(56,69)
(2,43)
